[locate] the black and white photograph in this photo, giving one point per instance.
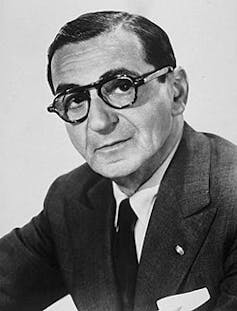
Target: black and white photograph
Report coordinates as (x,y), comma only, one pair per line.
(118,159)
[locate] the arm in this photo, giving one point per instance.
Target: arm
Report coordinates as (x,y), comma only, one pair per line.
(29,275)
(227,299)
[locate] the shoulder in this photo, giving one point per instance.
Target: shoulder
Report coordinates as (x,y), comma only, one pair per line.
(223,150)
(223,161)
(221,153)
(223,185)
(74,184)
(215,158)
(223,174)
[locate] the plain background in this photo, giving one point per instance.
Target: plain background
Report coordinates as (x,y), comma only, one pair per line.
(34,145)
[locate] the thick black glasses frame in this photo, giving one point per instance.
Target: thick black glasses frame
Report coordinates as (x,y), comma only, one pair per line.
(138,81)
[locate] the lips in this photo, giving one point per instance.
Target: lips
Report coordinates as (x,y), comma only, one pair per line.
(112,144)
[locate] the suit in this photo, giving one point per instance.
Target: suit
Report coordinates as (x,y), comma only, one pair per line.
(66,249)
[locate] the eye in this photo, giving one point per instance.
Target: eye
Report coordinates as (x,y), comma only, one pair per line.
(77,105)
(117,87)
(122,86)
(74,104)
(76,101)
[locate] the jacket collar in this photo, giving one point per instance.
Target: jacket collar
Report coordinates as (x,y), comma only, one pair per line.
(178,222)
(189,172)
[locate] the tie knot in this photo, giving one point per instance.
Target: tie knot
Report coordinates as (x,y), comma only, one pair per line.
(126,217)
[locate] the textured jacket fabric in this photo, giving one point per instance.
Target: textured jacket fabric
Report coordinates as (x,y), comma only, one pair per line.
(66,249)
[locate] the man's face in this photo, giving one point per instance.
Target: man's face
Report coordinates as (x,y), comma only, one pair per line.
(114,142)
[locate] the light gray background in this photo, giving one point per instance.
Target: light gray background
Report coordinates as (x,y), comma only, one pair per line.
(34,145)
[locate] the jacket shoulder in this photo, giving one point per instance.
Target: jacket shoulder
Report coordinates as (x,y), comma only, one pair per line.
(223,171)
(74,184)
(223,158)
(225,150)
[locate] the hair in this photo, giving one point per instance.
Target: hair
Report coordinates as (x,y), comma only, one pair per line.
(154,40)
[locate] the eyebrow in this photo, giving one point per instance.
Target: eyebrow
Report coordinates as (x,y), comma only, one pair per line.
(110,74)
(118,71)
(65,86)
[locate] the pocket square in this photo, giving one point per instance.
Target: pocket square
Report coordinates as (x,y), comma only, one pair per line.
(184,302)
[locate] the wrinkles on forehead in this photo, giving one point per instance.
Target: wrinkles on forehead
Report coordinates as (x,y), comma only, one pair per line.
(93,48)
(109,41)
(121,47)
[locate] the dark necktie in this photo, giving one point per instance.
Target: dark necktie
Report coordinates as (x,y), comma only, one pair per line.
(125,257)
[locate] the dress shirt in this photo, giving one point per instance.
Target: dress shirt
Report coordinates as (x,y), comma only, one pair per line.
(142,201)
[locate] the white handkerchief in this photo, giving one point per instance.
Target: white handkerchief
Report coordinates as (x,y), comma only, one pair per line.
(184,302)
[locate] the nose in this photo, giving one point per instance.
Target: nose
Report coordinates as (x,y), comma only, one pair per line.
(101,117)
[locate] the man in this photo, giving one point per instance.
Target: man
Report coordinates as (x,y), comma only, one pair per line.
(153,211)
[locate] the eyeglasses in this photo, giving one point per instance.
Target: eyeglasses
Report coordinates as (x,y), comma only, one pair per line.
(119,92)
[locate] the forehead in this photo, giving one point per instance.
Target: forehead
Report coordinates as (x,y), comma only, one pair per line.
(84,62)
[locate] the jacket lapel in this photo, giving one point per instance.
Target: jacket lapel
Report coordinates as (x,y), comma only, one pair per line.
(94,283)
(179,223)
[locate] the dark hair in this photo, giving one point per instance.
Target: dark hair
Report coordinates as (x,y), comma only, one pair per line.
(156,44)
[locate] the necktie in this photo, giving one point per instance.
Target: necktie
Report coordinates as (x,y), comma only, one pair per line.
(125,257)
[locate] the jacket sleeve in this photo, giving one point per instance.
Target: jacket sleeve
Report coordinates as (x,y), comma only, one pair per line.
(30,277)
(227,300)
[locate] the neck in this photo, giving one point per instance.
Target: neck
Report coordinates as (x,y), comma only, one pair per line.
(131,183)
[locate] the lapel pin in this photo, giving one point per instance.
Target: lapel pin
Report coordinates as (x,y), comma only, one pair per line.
(179,250)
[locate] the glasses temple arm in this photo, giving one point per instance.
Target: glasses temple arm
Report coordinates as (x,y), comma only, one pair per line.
(158,73)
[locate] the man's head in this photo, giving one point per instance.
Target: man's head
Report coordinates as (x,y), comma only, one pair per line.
(116,142)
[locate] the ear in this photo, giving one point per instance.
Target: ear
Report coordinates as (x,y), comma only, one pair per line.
(180,91)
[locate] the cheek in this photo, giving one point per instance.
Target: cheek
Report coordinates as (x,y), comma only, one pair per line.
(77,137)
(155,127)
(156,114)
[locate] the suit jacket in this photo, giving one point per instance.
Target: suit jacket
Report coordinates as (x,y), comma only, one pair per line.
(66,249)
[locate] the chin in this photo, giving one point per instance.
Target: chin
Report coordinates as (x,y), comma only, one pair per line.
(116,169)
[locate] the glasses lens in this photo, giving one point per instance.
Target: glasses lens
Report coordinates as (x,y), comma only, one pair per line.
(119,92)
(73,106)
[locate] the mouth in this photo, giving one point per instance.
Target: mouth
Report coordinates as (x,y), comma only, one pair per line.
(112,145)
